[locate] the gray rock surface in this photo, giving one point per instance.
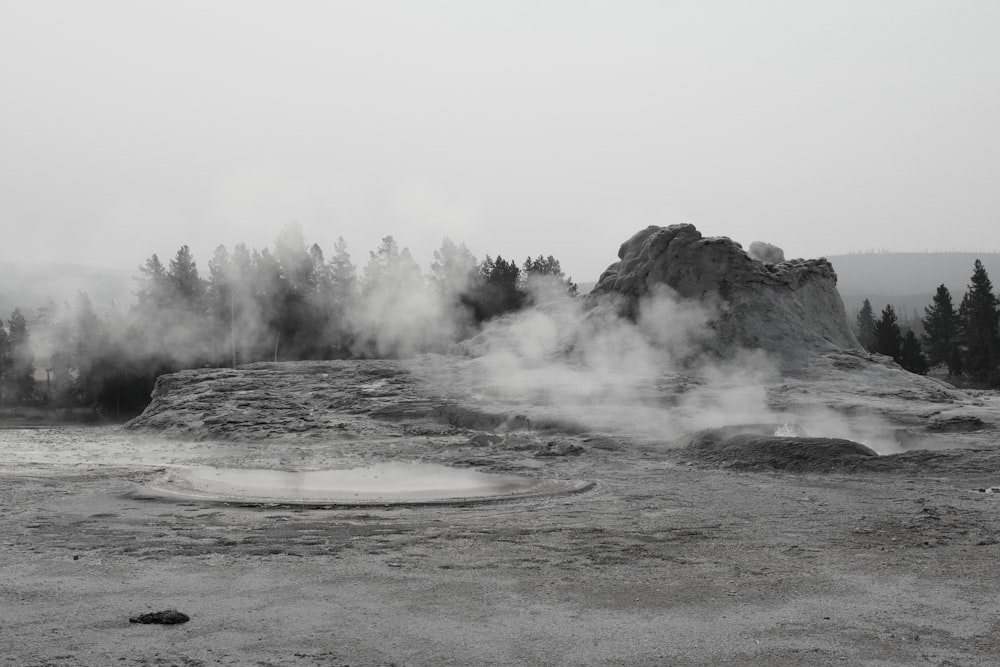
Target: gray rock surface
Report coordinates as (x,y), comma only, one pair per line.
(791,309)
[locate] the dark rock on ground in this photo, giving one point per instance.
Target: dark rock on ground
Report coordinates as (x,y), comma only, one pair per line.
(168,617)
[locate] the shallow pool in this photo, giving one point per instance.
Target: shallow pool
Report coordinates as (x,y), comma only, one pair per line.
(378,484)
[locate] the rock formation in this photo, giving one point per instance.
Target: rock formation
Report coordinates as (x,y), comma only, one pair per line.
(791,309)
(767,253)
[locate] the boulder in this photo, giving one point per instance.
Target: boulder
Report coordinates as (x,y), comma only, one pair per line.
(168,617)
(791,309)
(767,253)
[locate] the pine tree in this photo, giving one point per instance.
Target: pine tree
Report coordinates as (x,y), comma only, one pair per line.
(220,278)
(294,259)
(392,269)
(377,269)
(942,330)
(546,270)
(21,360)
(343,273)
(981,328)
(888,340)
(188,289)
(4,360)
(866,327)
(244,303)
(88,351)
(267,294)
(343,292)
(220,300)
(321,276)
(498,291)
(454,270)
(911,356)
(154,287)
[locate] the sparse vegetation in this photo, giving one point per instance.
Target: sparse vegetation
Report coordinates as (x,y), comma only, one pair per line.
(966,342)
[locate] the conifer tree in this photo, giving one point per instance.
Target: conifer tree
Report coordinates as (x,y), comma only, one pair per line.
(294,260)
(911,356)
(221,303)
(888,340)
(188,289)
(343,273)
(343,277)
(154,286)
(4,360)
(220,278)
(244,320)
(20,370)
(866,327)
(981,328)
(497,292)
(547,269)
(88,350)
(942,331)
(455,269)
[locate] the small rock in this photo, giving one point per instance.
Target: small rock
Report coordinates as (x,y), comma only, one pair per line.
(765,252)
(168,617)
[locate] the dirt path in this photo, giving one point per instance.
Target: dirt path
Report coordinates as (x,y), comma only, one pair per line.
(660,564)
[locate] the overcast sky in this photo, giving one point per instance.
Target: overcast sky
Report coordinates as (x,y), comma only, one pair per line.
(128,128)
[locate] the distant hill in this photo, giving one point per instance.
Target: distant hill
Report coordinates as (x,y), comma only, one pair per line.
(907,280)
(30,286)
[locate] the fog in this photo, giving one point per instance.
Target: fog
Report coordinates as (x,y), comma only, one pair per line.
(828,127)
(656,377)
(515,128)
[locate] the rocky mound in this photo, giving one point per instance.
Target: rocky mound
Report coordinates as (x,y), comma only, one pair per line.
(311,398)
(755,451)
(791,309)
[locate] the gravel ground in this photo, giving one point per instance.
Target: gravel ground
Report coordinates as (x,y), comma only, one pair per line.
(661,563)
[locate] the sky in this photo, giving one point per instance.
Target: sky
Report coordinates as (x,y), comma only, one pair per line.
(518,128)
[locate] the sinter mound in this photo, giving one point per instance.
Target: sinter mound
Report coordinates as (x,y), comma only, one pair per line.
(791,309)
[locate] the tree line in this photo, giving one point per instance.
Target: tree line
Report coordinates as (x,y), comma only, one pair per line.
(966,340)
(286,303)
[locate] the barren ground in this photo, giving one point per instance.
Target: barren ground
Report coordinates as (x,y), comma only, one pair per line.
(662,563)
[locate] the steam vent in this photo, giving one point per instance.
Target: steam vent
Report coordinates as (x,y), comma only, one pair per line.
(791,309)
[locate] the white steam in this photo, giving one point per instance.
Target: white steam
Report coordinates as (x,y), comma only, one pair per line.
(649,378)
